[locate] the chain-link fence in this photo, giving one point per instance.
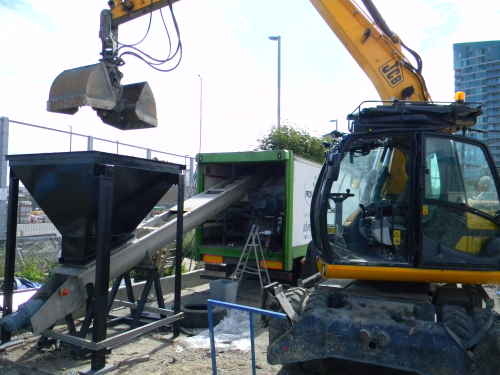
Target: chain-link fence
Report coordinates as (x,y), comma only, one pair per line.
(35,256)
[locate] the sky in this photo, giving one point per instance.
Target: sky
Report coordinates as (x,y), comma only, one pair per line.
(229,65)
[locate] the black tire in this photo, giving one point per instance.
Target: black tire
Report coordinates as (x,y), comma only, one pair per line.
(481,317)
(296,297)
(317,299)
(474,295)
(196,315)
(455,318)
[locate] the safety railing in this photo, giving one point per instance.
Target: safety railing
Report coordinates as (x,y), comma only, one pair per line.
(251,311)
(64,141)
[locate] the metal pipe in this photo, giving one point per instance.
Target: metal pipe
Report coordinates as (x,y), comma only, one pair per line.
(278,38)
(201,106)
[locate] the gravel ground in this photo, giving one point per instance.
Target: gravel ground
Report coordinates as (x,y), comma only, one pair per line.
(156,352)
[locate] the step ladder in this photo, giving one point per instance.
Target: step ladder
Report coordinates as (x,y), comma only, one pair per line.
(252,244)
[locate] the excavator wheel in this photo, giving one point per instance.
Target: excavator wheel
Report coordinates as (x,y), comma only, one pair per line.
(455,318)
(318,299)
(481,317)
(296,296)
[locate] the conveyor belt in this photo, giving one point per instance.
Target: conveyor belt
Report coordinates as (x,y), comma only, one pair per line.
(150,237)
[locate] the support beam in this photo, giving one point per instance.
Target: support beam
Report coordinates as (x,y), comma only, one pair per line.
(10,253)
(106,186)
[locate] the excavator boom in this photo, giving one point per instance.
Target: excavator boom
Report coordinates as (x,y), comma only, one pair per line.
(376,52)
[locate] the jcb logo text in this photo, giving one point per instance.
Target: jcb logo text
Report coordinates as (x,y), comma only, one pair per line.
(392,72)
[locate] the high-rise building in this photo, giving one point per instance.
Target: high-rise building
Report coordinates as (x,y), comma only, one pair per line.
(477,73)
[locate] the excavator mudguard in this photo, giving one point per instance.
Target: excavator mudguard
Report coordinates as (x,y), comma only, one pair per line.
(124,107)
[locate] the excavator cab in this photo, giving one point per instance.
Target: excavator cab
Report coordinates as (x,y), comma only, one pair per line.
(401,195)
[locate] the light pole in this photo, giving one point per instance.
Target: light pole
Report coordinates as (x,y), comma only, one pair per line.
(278,38)
(201,106)
(336,124)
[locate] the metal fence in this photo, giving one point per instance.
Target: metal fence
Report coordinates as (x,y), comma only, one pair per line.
(38,241)
(35,255)
(25,139)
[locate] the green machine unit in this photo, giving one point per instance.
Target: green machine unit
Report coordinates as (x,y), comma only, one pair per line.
(279,205)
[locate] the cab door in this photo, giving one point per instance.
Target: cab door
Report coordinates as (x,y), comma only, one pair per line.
(459,204)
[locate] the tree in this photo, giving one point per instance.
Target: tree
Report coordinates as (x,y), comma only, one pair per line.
(295,139)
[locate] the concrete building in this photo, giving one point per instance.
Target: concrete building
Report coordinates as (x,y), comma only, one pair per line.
(477,73)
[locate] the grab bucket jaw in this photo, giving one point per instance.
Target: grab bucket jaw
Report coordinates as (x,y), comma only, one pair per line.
(124,107)
(88,85)
(135,110)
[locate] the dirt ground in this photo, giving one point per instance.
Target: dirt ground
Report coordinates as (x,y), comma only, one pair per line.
(26,359)
(157,349)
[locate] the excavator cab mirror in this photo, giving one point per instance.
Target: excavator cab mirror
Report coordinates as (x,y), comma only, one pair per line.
(333,169)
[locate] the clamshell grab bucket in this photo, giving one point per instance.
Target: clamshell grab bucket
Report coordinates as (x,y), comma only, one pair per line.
(127,107)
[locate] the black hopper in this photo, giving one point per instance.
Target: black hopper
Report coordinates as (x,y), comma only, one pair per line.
(65,185)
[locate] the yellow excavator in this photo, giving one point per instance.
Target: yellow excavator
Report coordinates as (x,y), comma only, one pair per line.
(405,220)
(405,214)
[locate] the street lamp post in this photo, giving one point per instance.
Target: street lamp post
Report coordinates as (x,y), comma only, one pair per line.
(201,106)
(336,124)
(278,38)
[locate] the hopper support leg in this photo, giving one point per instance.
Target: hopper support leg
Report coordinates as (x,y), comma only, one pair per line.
(10,253)
(106,186)
(178,252)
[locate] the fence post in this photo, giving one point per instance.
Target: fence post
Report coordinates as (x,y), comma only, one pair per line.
(191,172)
(4,150)
(148,153)
(90,143)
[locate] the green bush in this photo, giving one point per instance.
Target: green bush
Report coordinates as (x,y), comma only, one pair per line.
(32,271)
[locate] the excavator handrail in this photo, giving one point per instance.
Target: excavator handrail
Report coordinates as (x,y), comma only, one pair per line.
(448,117)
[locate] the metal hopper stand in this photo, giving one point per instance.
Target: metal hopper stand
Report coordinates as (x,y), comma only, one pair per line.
(95,200)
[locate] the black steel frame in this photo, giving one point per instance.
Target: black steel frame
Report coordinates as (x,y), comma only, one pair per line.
(98,294)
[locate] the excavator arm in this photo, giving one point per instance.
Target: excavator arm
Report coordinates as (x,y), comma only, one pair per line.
(376,49)
(126,10)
